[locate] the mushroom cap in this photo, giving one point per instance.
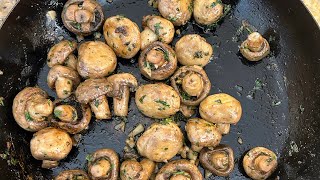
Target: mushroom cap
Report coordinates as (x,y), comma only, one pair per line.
(119,81)
(72,174)
(59,52)
(138,170)
(255,56)
(177,11)
(207,12)
(96,60)
(62,71)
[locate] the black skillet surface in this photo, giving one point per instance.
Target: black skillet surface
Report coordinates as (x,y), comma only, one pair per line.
(290,75)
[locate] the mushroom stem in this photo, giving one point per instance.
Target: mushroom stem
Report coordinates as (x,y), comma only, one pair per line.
(39,108)
(121,105)
(66,113)
(47,164)
(192,84)
(255,42)
(100,169)
(100,108)
(219,160)
(263,163)
(63,87)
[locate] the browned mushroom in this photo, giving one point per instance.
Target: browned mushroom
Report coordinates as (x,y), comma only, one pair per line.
(207,12)
(132,169)
(63,79)
(60,52)
(31,107)
(75,174)
(103,164)
(82,17)
(218,160)
(255,47)
(179,170)
(260,163)
(177,11)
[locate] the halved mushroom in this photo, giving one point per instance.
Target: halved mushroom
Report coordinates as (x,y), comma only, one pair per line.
(70,115)
(31,107)
(94,91)
(260,163)
(82,17)
(122,85)
(255,47)
(63,79)
(179,170)
(160,142)
(207,12)
(223,128)
(60,52)
(192,49)
(202,134)
(132,169)
(177,11)
(103,164)
(122,35)
(96,60)
(157,100)
(50,145)
(157,61)
(218,160)
(76,174)
(221,108)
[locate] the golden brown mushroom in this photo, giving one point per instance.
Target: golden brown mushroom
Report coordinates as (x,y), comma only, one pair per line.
(255,47)
(177,11)
(31,107)
(59,53)
(75,174)
(132,169)
(207,12)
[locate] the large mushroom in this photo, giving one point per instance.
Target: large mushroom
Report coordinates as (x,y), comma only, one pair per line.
(82,17)
(259,163)
(75,174)
(255,47)
(96,60)
(218,160)
(177,11)
(94,91)
(59,53)
(31,107)
(103,164)
(179,170)
(157,61)
(50,145)
(207,12)
(132,169)
(63,79)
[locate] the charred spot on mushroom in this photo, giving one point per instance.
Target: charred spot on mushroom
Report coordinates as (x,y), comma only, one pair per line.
(122,30)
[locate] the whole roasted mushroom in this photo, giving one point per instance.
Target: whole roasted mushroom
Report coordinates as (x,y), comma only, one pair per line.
(50,145)
(255,47)
(31,107)
(76,174)
(82,17)
(218,160)
(207,12)
(132,169)
(59,53)
(260,163)
(103,164)
(177,11)
(157,61)
(179,169)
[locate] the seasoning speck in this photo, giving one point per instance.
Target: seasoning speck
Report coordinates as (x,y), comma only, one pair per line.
(240,141)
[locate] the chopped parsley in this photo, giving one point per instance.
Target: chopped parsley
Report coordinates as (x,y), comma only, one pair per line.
(28,116)
(258,84)
(166,55)
(216,3)
(57,113)
(97,103)
(165,121)
(157,28)
(142,98)
(198,54)
(190,7)
(185,95)
(172,19)
(120,17)
(163,103)
(89,157)
(76,25)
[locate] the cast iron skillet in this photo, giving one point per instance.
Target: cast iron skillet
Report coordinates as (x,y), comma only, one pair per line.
(291,75)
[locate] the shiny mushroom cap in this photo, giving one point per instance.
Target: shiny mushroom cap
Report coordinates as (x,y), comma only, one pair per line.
(255,47)
(59,53)
(132,169)
(76,174)
(177,11)
(207,12)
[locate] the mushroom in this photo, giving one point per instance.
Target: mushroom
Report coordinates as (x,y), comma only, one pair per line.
(157,61)
(223,128)
(59,53)
(31,107)
(177,11)
(179,170)
(94,91)
(207,12)
(70,115)
(103,164)
(63,79)
(221,108)
(50,145)
(122,35)
(192,49)
(192,84)
(218,160)
(122,85)
(132,169)
(255,47)
(160,142)
(76,174)
(96,60)
(157,100)
(82,17)
(260,163)
(202,134)
(71,62)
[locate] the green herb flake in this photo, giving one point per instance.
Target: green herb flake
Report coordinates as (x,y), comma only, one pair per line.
(68,82)
(198,54)
(157,28)
(166,121)
(215,3)
(166,55)
(218,101)
(89,157)
(76,25)
(28,116)
(66,92)
(1,101)
(3,156)
(142,98)
(258,84)
(57,113)
(172,19)
(70,44)
(97,103)
(185,95)
(164,103)
(190,7)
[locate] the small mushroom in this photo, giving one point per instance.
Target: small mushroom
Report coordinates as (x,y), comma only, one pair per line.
(207,12)
(50,145)
(63,79)
(157,61)
(103,164)
(223,128)
(82,17)
(122,85)
(76,174)
(31,107)
(59,53)
(177,11)
(179,170)
(94,91)
(221,108)
(255,47)
(218,160)
(132,169)
(122,35)
(96,60)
